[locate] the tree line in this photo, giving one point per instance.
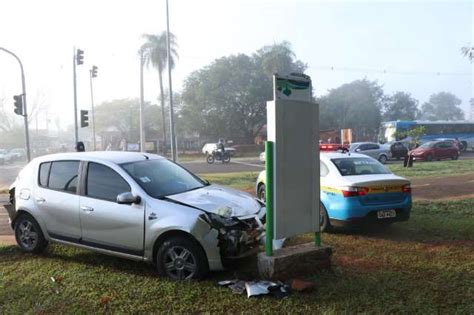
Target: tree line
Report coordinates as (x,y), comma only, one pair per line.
(227,98)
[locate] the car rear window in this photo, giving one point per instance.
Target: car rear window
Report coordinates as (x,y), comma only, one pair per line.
(63,176)
(359,166)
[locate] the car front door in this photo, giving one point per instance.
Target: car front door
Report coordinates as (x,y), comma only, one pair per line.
(105,223)
(57,199)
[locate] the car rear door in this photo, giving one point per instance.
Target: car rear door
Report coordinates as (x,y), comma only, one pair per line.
(105,223)
(57,199)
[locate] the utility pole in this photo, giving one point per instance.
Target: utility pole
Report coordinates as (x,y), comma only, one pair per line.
(93,74)
(172,129)
(25,112)
(78,58)
(142,101)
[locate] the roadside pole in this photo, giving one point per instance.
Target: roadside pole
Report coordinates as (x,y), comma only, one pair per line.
(172,129)
(269,198)
(142,101)
(25,112)
(76,130)
(91,75)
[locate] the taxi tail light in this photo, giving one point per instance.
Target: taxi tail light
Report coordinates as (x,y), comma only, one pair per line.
(406,188)
(354,191)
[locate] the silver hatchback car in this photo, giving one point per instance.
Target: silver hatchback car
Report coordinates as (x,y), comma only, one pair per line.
(137,206)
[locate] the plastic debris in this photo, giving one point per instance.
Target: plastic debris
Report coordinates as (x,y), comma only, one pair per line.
(255,288)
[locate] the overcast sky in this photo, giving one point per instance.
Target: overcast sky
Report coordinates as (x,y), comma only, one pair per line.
(411,42)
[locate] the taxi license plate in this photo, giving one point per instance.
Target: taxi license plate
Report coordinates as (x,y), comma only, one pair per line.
(384,214)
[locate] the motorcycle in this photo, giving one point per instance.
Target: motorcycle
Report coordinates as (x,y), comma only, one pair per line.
(219,156)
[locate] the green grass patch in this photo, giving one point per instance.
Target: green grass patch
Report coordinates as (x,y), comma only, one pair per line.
(425,265)
(241,180)
(436,168)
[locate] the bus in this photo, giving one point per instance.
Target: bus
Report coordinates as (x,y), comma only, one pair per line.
(462,130)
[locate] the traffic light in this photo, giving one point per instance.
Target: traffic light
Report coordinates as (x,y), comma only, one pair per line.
(80,57)
(84,118)
(18,104)
(94,72)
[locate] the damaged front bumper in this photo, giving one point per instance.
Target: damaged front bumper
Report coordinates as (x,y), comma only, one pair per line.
(238,237)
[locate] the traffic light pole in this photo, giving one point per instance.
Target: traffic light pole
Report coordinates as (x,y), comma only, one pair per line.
(93,116)
(76,130)
(25,112)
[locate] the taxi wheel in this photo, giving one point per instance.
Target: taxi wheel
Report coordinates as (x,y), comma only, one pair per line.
(261,192)
(324,224)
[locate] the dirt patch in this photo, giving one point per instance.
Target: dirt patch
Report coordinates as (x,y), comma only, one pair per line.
(443,188)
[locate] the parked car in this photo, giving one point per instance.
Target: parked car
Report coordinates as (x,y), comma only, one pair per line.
(435,150)
(134,205)
(5,156)
(456,143)
(209,148)
(18,154)
(380,152)
(398,150)
(357,189)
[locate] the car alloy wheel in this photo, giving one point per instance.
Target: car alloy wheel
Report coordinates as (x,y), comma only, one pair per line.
(261,193)
(28,236)
(383,159)
(180,263)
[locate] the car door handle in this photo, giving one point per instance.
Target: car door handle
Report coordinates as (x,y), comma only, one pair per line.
(40,200)
(87,209)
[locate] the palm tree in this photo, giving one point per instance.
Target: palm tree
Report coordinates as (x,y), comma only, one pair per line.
(155,54)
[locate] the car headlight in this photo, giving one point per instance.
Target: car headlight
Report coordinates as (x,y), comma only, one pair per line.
(219,221)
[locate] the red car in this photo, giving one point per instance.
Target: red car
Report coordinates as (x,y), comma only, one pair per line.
(435,150)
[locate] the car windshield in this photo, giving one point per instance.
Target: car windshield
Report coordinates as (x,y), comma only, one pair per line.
(427,145)
(161,178)
(359,166)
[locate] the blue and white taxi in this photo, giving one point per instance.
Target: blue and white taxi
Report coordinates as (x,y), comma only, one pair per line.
(357,189)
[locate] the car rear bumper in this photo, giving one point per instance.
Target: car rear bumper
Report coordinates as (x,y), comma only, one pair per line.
(371,218)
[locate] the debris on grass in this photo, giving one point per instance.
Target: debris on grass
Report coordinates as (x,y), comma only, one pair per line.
(302,285)
(255,288)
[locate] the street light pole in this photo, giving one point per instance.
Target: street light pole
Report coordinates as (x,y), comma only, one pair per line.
(142,101)
(92,105)
(25,112)
(172,129)
(76,130)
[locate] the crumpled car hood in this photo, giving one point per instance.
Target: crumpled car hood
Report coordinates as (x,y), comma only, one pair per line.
(219,200)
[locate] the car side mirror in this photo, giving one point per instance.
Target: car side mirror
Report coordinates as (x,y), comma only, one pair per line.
(127,198)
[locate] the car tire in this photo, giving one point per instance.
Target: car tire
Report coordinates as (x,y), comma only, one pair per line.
(429,158)
(455,157)
(181,258)
(324,223)
(463,146)
(261,190)
(383,159)
(28,235)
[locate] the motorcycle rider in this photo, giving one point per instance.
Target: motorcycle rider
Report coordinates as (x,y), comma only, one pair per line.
(220,149)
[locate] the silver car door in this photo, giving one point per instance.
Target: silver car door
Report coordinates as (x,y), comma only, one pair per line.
(105,223)
(57,199)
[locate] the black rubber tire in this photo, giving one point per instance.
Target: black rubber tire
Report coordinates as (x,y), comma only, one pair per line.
(324,223)
(210,159)
(455,157)
(429,158)
(383,159)
(41,243)
(196,250)
(261,192)
(463,147)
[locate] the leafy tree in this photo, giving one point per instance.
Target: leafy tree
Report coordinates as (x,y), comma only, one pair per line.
(228,97)
(442,106)
(400,106)
(356,105)
(468,52)
(155,53)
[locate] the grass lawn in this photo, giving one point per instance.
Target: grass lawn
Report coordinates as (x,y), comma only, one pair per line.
(425,265)
(436,168)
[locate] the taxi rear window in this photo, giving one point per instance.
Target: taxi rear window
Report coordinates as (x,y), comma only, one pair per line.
(359,166)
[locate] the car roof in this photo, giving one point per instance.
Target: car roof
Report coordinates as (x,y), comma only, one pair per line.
(339,155)
(117,157)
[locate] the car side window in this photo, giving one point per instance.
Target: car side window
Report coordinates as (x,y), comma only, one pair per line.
(323,169)
(104,183)
(64,176)
(43,174)
(363,147)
